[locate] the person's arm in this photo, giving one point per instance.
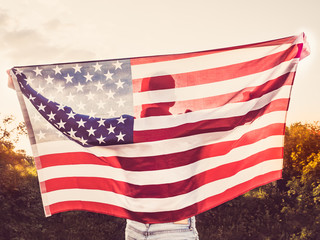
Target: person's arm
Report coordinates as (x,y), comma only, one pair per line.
(10,81)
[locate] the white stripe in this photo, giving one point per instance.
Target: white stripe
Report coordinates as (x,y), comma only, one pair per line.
(158,176)
(225,111)
(163,204)
(215,88)
(199,63)
(162,147)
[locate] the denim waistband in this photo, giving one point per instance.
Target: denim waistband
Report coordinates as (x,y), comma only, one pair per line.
(137,230)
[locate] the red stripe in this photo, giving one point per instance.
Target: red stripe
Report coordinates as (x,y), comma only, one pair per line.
(170,216)
(172,57)
(163,190)
(206,126)
(226,72)
(243,95)
(72,158)
(162,58)
(163,161)
(91,207)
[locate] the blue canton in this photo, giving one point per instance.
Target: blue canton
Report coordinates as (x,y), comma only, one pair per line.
(89,102)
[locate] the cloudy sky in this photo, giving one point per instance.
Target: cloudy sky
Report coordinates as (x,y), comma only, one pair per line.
(39,32)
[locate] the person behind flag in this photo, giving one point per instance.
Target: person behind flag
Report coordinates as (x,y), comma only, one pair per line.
(184,229)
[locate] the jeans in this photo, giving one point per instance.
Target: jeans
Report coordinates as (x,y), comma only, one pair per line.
(162,231)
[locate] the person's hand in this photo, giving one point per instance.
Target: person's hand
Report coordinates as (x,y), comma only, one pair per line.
(10,81)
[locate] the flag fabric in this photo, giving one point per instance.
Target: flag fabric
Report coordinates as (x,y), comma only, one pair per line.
(161,138)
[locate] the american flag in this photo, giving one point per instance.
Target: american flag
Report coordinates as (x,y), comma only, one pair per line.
(161,138)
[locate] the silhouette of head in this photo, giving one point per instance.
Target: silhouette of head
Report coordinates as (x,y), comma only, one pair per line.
(154,84)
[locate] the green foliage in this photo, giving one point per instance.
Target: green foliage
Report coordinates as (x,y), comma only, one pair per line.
(288,209)
(10,131)
(301,141)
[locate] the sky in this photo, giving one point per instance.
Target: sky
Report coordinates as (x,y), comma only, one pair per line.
(44,32)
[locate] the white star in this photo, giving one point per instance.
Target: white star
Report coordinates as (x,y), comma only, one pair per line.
(90,96)
(79,87)
(21,85)
(97,67)
(51,98)
(36,117)
(59,88)
(91,114)
(31,98)
(72,133)
(61,124)
(81,123)
(51,116)
(68,78)
(88,77)
(99,86)
(110,94)
(81,106)
(119,84)
(48,126)
(60,134)
(111,129)
(61,107)
(29,80)
(101,104)
(120,136)
(57,70)
(91,131)
(101,139)
(108,75)
(39,89)
(117,65)
(49,79)
(70,97)
(41,107)
(83,141)
(121,120)
(121,102)
(111,112)
(77,68)
(18,71)
(101,122)
(41,135)
(38,71)
(71,115)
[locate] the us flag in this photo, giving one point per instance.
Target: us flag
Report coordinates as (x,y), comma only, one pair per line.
(161,138)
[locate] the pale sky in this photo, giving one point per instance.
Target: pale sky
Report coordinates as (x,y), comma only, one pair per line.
(56,31)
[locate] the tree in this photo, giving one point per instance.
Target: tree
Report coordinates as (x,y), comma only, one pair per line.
(10,131)
(301,141)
